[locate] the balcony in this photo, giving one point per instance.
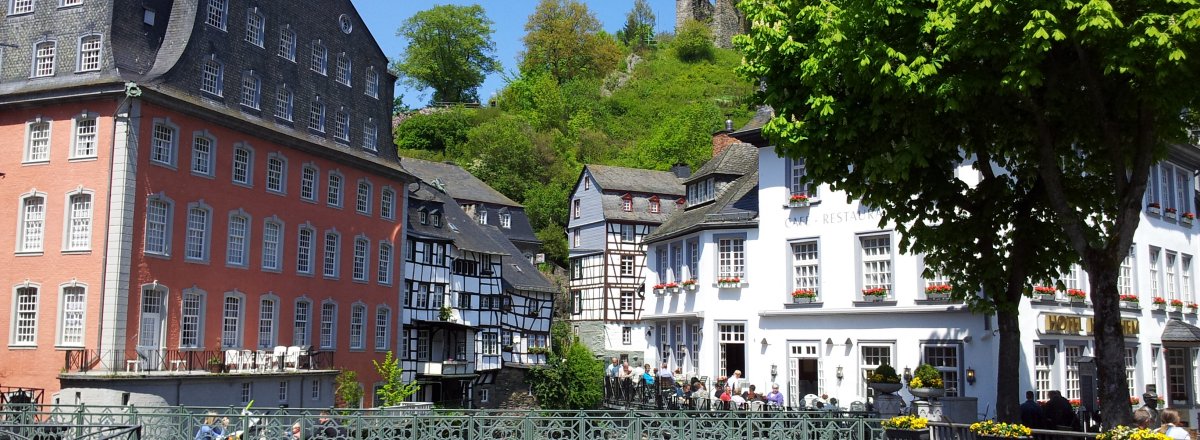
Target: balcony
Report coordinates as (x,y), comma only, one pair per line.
(160,362)
(446,368)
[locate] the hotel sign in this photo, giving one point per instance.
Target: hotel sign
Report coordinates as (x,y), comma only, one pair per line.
(1075,325)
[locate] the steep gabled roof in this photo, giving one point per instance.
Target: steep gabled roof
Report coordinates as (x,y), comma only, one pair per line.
(456,225)
(621,179)
(1178,333)
(458,183)
(734,160)
(735,207)
(518,272)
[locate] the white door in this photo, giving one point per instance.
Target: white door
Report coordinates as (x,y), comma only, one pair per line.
(150,330)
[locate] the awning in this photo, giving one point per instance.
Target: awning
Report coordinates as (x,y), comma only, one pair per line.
(1180,334)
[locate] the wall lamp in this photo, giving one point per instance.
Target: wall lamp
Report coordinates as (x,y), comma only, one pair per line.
(774,371)
(839,372)
(907,375)
(971,376)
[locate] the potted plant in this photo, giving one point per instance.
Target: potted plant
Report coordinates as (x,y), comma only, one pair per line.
(926,382)
(1130,300)
(1194,307)
(444,313)
(1154,208)
(937,292)
(672,287)
(798,200)
(1076,295)
(1044,293)
(1171,213)
(1187,218)
(690,285)
(1160,303)
(884,379)
(729,282)
(875,294)
(804,296)
(215,365)
(1134,401)
(989,429)
(906,428)
(660,289)
(1177,304)
(1122,432)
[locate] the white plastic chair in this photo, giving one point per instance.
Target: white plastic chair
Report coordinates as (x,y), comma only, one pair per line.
(293,357)
(246,361)
(232,359)
(277,357)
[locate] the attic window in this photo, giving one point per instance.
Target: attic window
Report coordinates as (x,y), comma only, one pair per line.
(627,203)
(436,219)
(423,217)
(655,206)
(587,183)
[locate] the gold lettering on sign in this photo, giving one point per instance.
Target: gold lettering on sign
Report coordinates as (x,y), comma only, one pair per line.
(1129,326)
(1063,324)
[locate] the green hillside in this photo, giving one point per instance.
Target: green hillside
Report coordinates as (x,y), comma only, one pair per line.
(531,142)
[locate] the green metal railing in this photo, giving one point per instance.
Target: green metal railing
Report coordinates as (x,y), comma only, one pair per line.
(179,422)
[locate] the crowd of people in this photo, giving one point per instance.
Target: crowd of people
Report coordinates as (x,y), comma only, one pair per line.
(1057,413)
(666,388)
(326,428)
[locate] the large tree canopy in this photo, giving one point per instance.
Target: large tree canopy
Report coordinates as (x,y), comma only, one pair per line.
(1061,107)
(450,50)
(564,39)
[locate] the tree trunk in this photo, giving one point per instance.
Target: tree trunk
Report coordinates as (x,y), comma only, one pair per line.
(1008,367)
(1112,386)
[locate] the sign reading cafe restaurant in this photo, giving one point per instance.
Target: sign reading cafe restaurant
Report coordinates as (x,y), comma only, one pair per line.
(1075,325)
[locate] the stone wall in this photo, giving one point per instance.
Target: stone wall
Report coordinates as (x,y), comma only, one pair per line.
(723,18)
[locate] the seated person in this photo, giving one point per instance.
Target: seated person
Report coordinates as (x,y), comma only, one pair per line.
(751,395)
(736,399)
(775,398)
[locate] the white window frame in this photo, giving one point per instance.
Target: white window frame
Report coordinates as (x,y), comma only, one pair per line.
(285,102)
(251,90)
(301,323)
(333,189)
(627,303)
(197,241)
(1155,256)
(242,173)
(358,317)
(309,175)
(866,367)
(268,315)
(204,154)
(79,207)
(316,115)
(45,59)
(341,126)
(305,248)
(362,201)
(287,44)
(331,254)
(796,172)
(372,83)
(383,323)
(952,375)
(1043,365)
(233,306)
(344,67)
(505,220)
(277,173)
(237,244)
(158,230)
(212,77)
(191,318)
(26,305)
(272,244)
(38,140)
(217,13)
(86,131)
(731,256)
(387,203)
(384,271)
(876,266)
(806,265)
(90,47)
(164,142)
(328,324)
(256,27)
(18,7)
(626,335)
(359,270)
(72,314)
(320,58)
(370,140)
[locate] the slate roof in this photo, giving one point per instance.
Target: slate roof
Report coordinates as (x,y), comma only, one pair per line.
(459,184)
(1178,333)
(735,207)
(734,160)
(636,180)
(518,273)
(456,225)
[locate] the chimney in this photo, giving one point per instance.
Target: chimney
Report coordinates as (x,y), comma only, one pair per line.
(681,170)
(722,139)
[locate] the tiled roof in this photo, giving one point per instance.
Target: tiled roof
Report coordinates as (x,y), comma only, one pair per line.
(456,225)
(518,272)
(1179,333)
(460,184)
(617,179)
(735,207)
(734,160)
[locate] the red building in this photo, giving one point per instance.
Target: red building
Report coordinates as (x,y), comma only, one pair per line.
(201,182)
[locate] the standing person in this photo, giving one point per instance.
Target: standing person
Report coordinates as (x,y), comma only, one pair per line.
(648,375)
(1170,425)
(1031,412)
(1059,413)
(614,369)
(327,428)
(297,432)
(775,398)
(626,370)
(1150,404)
(733,380)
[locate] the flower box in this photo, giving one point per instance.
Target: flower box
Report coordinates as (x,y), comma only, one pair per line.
(1171,213)
(659,291)
(1194,308)
(730,282)
(1187,219)
(1044,293)
(1154,209)
(690,285)
(906,434)
(671,287)
(937,296)
(802,300)
(938,292)
(798,201)
(989,429)
(1076,295)
(804,296)
(1177,304)
(909,427)
(875,294)
(1129,300)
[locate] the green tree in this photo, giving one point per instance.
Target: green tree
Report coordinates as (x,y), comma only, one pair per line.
(1061,107)
(683,136)
(571,379)
(394,390)
(638,32)
(694,42)
(564,39)
(449,50)
(348,393)
(508,154)
(436,130)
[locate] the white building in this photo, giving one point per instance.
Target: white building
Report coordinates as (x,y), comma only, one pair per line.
(836,248)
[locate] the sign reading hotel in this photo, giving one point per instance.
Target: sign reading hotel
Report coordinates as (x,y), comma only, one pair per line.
(1075,325)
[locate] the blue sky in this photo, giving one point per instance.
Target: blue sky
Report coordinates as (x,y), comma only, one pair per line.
(383,17)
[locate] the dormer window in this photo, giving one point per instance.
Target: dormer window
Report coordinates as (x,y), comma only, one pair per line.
(436,219)
(587,183)
(700,192)
(423,217)
(655,206)
(627,203)
(482,217)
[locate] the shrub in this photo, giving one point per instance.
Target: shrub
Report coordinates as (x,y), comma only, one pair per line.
(694,42)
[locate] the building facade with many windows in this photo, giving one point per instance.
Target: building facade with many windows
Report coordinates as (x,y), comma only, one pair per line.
(191,187)
(798,285)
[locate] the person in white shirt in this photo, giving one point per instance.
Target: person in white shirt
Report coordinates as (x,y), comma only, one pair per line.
(614,369)
(732,382)
(1170,421)
(736,399)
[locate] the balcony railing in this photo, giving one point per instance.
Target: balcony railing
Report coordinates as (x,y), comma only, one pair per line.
(189,360)
(446,368)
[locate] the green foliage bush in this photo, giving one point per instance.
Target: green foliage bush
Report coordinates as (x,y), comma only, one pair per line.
(694,42)
(348,393)
(394,390)
(435,131)
(573,381)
